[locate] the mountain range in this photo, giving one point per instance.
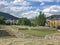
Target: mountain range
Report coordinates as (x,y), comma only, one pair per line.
(8,16)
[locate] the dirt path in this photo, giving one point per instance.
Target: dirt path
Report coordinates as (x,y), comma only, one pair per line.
(22,41)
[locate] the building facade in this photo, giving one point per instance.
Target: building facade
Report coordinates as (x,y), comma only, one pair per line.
(53,21)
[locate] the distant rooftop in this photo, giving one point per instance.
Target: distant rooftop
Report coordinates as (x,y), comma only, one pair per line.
(54,17)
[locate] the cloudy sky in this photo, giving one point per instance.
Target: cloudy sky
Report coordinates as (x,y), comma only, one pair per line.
(30,8)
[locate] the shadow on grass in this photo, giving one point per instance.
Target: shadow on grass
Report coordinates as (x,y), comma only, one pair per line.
(4,33)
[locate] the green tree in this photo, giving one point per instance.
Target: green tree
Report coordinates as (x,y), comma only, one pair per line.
(24,21)
(2,20)
(41,19)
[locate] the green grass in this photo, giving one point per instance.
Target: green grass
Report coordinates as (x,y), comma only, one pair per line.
(39,32)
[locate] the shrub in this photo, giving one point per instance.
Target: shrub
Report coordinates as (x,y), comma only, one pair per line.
(23,29)
(58,27)
(35,29)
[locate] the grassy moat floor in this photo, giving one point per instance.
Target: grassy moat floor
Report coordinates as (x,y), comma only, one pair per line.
(39,32)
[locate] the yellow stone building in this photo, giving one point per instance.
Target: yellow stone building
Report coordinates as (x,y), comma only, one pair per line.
(53,21)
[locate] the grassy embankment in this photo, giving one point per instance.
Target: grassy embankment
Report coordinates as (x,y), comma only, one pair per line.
(41,32)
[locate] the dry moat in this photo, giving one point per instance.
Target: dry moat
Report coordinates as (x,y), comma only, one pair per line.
(12,37)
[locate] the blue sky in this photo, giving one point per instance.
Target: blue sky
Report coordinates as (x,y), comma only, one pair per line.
(30,8)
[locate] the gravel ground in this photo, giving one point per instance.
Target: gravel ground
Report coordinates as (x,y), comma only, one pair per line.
(22,41)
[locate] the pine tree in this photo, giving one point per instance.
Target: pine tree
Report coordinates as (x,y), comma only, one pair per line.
(41,19)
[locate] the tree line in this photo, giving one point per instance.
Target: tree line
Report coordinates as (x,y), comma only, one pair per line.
(40,20)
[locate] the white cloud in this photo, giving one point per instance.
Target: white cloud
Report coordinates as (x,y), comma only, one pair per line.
(52,10)
(22,8)
(25,10)
(58,0)
(20,2)
(15,10)
(42,3)
(3,2)
(43,0)
(31,14)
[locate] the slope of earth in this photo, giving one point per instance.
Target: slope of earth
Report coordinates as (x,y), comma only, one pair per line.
(19,40)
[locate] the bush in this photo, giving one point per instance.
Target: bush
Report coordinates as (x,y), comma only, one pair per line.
(58,27)
(35,29)
(24,21)
(23,29)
